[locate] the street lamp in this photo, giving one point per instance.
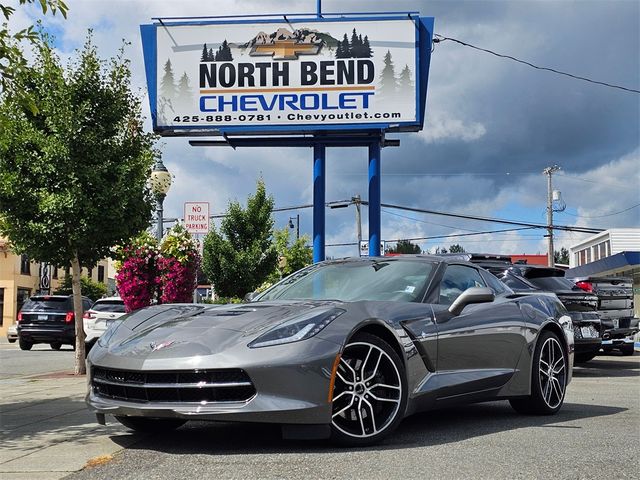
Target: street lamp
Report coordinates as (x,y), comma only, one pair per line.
(297,219)
(160,183)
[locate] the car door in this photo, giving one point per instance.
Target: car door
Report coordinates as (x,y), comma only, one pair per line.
(478,350)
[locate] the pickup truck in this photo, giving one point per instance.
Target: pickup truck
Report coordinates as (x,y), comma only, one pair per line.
(582,306)
(615,307)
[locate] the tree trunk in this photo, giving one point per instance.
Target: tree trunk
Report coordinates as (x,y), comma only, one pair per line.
(80,368)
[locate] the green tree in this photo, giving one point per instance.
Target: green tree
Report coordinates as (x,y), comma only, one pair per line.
(240,257)
(405,246)
(291,258)
(456,248)
(12,60)
(73,177)
(91,289)
(561,256)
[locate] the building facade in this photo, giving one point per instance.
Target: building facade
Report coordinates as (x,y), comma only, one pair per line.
(21,278)
(612,253)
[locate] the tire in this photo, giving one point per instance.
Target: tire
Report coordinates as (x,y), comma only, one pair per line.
(24,345)
(151,425)
(55,345)
(548,378)
(627,350)
(584,357)
(381,405)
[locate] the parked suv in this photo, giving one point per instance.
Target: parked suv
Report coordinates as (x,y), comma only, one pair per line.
(615,306)
(98,318)
(48,319)
(582,306)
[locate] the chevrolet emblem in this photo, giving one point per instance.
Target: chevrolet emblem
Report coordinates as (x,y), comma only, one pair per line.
(285,50)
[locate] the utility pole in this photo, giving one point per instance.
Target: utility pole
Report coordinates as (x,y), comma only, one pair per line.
(357,202)
(549,171)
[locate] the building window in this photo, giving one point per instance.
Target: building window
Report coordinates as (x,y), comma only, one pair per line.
(583,257)
(25,265)
(101,273)
(1,306)
(608,247)
(23,296)
(54,273)
(90,273)
(596,253)
(588,255)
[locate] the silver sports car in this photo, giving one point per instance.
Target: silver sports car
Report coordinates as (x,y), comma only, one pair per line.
(343,349)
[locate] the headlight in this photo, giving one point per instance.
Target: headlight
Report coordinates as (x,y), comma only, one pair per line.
(298,328)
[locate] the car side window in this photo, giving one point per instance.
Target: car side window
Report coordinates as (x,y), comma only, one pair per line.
(86,305)
(494,284)
(456,279)
(515,283)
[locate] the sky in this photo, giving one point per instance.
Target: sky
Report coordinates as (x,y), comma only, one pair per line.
(491,127)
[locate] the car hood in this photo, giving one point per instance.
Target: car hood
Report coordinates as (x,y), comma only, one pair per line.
(202,329)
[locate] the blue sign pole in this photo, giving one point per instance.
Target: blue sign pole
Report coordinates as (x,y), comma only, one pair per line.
(319,169)
(374,199)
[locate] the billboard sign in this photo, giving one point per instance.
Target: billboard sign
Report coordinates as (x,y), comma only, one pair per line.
(196,217)
(267,76)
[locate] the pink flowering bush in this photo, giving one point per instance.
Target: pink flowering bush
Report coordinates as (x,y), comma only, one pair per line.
(178,266)
(168,272)
(137,278)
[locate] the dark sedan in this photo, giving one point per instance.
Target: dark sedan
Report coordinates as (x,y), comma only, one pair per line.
(343,349)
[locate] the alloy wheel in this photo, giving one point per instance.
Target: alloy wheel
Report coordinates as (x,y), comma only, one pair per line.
(552,372)
(368,391)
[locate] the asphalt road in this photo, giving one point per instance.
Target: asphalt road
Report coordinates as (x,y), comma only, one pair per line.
(596,435)
(40,359)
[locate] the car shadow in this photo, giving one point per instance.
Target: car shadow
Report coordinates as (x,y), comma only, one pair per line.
(611,364)
(424,429)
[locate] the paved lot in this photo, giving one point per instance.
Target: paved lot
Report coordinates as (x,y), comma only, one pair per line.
(47,434)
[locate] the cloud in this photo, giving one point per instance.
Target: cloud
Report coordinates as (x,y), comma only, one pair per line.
(438,128)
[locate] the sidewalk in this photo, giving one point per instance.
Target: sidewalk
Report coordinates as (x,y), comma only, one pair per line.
(46,431)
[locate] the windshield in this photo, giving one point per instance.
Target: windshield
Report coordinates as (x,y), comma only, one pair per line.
(42,305)
(114,306)
(354,280)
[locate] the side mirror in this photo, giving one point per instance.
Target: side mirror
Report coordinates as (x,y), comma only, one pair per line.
(469,296)
(250,296)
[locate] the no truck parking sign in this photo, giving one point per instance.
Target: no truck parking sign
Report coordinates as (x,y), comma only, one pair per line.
(196,217)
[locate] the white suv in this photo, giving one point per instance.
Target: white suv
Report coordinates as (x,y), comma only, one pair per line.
(98,318)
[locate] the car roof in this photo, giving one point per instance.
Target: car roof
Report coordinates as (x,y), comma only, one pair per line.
(54,297)
(110,299)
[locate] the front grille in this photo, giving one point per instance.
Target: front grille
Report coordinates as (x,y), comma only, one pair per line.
(191,386)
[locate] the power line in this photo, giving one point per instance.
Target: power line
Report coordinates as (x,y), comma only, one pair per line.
(442,38)
(489,219)
(445,214)
(434,237)
(607,215)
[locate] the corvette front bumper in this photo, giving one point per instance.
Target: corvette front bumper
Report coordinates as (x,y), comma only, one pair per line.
(291,381)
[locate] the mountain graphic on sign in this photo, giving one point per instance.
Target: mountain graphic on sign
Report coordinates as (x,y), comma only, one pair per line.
(284,44)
